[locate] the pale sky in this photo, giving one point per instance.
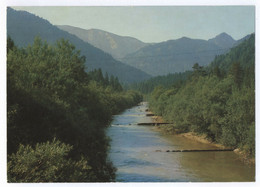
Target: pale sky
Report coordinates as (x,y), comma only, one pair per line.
(157,23)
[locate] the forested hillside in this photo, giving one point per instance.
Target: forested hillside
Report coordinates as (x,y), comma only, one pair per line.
(242,54)
(57,114)
(218,101)
(222,62)
(23,27)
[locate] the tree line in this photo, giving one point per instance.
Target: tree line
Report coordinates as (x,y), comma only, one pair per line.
(169,80)
(218,100)
(106,80)
(57,114)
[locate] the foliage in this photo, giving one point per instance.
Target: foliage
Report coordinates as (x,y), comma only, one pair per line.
(219,103)
(112,82)
(47,162)
(167,81)
(50,95)
(244,54)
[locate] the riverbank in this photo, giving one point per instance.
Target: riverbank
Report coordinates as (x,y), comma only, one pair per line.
(199,138)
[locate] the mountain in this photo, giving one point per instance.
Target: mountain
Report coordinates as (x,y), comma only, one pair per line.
(179,55)
(223,40)
(243,53)
(117,46)
(243,39)
(23,27)
(173,56)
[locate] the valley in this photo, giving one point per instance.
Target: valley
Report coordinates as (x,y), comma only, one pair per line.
(84,85)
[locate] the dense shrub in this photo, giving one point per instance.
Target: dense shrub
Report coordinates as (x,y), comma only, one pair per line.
(47,162)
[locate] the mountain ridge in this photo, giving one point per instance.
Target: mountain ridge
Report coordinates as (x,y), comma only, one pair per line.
(23,27)
(171,56)
(116,45)
(179,55)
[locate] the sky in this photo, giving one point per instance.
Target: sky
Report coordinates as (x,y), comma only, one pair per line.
(154,23)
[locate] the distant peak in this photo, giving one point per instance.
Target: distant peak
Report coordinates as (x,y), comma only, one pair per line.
(223,40)
(223,35)
(184,38)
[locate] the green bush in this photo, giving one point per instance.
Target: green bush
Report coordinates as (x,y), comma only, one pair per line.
(47,162)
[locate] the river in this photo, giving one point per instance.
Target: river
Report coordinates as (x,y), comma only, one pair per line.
(133,153)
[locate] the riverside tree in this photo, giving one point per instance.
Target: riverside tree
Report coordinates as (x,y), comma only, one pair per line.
(50,96)
(218,101)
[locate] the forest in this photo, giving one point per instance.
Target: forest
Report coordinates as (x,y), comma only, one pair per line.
(57,114)
(217,101)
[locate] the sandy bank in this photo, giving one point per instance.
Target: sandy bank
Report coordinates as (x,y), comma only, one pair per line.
(202,138)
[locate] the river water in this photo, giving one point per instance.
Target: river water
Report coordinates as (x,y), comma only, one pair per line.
(133,153)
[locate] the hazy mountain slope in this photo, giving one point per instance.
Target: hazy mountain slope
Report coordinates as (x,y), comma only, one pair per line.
(243,53)
(223,40)
(117,46)
(174,55)
(23,27)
